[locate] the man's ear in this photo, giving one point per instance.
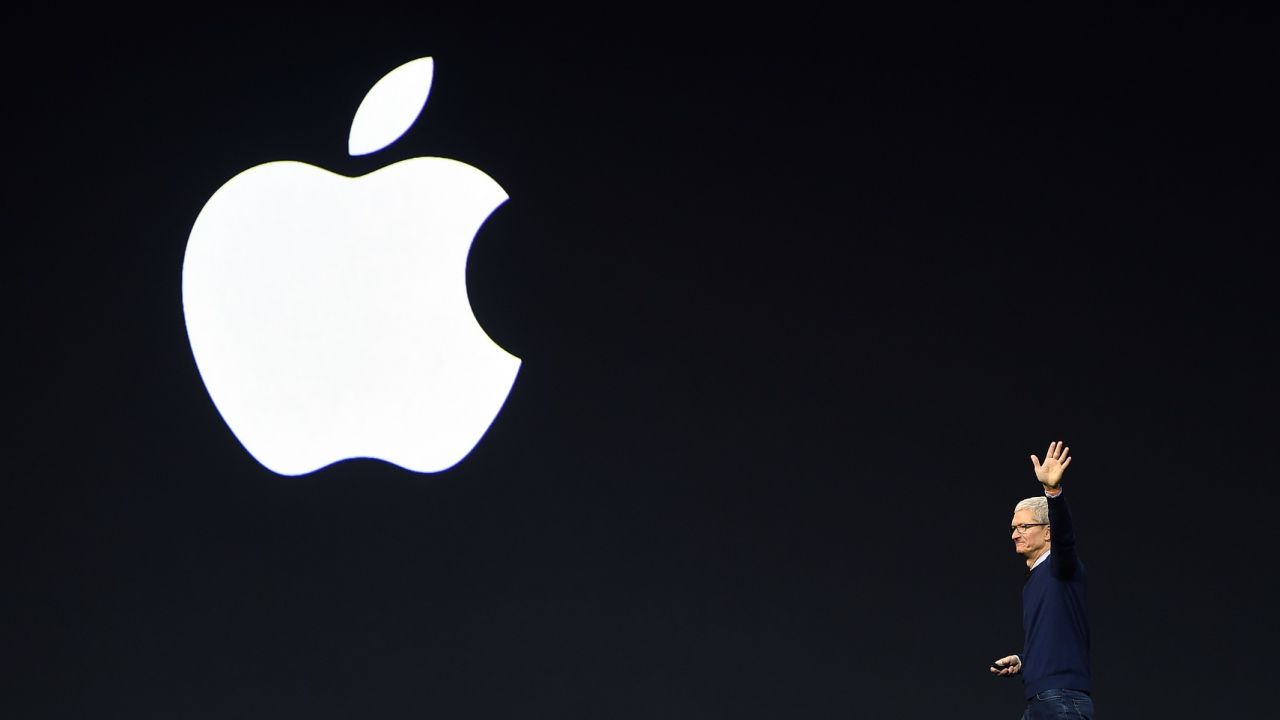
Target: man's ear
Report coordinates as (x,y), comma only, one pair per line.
(1047,537)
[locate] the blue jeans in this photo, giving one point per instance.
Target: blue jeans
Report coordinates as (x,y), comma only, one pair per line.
(1059,705)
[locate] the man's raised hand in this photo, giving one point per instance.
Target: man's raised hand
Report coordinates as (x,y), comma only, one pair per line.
(1056,460)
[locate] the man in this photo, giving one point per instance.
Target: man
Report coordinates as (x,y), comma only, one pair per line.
(1054,663)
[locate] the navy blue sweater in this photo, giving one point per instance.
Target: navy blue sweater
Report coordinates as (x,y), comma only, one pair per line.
(1055,653)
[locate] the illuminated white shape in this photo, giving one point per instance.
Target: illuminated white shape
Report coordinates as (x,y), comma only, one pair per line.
(390,107)
(329,319)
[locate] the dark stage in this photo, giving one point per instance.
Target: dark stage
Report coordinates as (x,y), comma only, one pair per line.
(795,297)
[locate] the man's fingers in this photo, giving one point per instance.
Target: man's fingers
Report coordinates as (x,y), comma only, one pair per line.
(1007,665)
(1035,461)
(1065,464)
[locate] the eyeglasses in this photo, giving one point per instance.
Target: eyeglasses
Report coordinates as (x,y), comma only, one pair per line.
(1021,528)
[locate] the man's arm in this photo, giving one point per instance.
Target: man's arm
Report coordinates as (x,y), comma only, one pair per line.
(1062,558)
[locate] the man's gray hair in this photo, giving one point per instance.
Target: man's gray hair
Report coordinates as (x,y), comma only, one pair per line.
(1039,507)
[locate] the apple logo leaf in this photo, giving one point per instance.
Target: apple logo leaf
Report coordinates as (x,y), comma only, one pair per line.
(390,107)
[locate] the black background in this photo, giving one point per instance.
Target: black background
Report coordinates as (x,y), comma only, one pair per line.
(796,296)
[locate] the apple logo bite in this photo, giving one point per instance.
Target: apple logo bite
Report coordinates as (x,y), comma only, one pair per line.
(328,315)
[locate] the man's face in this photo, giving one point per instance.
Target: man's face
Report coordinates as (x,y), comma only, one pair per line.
(1033,541)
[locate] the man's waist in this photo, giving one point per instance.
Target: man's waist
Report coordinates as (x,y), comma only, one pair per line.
(1066,680)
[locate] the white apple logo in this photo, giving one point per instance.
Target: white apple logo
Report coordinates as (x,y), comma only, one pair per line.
(328,315)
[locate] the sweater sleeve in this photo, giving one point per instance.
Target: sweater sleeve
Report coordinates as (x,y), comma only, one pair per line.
(1063,561)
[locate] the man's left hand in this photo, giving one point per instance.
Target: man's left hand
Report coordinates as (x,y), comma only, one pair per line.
(1056,460)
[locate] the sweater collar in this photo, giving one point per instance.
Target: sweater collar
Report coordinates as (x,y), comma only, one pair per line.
(1039,560)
